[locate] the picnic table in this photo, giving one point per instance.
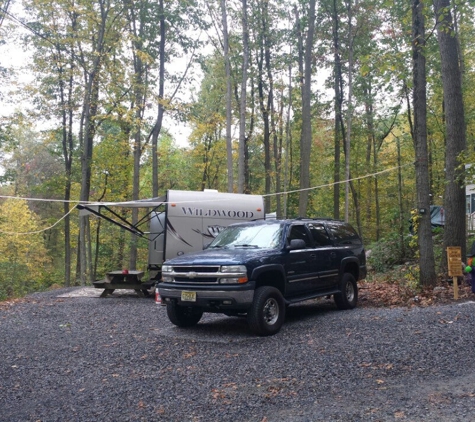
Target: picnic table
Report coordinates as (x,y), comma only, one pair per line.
(123,280)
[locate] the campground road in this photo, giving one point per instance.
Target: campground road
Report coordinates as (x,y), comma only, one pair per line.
(82,358)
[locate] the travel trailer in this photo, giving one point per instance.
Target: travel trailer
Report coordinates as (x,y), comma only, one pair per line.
(181,221)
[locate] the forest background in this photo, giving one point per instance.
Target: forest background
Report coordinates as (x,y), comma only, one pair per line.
(314,104)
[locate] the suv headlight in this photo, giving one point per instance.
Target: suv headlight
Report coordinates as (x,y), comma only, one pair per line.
(233,269)
(167,269)
(239,271)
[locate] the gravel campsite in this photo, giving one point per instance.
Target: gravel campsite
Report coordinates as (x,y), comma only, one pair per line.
(68,355)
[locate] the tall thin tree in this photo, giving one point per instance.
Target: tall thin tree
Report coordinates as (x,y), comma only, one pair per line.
(227,63)
(87,132)
(454,197)
(306,135)
(242,112)
(427,274)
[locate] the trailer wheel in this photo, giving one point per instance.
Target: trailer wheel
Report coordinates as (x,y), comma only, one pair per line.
(267,313)
(348,296)
(183,316)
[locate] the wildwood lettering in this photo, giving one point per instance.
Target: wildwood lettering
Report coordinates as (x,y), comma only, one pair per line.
(201,212)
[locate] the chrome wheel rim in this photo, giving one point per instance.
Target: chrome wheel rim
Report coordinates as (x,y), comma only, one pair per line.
(350,292)
(271,311)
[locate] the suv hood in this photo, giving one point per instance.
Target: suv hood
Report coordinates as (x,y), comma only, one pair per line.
(232,256)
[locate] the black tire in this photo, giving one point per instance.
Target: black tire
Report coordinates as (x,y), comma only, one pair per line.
(267,312)
(183,316)
(348,298)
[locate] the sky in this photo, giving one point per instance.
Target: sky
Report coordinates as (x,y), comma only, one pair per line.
(15,58)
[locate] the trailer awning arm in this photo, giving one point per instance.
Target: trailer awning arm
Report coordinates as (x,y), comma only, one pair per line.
(104,210)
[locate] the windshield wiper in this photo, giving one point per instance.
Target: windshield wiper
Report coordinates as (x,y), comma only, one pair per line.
(246,246)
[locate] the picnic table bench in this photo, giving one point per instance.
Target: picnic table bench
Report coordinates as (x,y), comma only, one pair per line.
(123,280)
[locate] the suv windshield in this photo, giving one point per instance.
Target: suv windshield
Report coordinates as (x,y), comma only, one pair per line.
(262,236)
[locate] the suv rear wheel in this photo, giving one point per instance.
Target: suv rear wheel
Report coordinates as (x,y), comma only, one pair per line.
(267,312)
(348,296)
(183,316)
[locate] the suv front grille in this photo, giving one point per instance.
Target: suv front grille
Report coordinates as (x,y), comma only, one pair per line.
(191,274)
(212,280)
(203,269)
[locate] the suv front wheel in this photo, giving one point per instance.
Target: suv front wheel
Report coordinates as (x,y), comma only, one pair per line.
(348,296)
(183,316)
(267,312)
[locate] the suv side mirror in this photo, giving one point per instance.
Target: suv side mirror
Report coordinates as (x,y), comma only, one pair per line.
(297,244)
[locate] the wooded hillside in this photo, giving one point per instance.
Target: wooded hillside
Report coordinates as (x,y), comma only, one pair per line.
(358,109)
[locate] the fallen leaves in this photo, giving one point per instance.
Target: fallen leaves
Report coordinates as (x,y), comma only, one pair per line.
(381,294)
(386,366)
(399,415)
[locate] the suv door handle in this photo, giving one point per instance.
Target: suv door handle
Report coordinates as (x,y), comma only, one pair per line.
(332,255)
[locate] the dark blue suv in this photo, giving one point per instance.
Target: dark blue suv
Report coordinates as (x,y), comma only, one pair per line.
(258,268)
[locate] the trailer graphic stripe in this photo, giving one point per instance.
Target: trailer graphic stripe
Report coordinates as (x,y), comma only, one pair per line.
(175,233)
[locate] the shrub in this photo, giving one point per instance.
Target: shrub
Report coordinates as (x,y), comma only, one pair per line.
(388,253)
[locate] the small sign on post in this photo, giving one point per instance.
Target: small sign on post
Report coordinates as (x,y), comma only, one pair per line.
(454,261)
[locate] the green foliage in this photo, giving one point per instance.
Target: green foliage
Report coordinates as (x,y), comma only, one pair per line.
(395,260)
(389,252)
(24,263)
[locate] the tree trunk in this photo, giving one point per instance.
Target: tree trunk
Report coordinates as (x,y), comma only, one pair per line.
(370,144)
(306,135)
(68,148)
(402,220)
(161,90)
(264,104)
(242,113)
(278,149)
(454,198)
(427,274)
(266,134)
(338,101)
(90,111)
(270,107)
(288,146)
(229,144)
(139,98)
(247,176)
(349,112)
(90,107)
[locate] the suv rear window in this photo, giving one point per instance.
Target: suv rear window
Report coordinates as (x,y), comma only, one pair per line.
(319,234)
(344,234)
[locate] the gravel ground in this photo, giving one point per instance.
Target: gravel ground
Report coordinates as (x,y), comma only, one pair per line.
(83,358)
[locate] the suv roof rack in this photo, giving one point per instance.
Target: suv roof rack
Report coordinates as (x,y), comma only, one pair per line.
(315,218)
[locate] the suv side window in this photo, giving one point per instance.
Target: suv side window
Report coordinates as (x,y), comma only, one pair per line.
(344,234)
(300,232)
(319,234)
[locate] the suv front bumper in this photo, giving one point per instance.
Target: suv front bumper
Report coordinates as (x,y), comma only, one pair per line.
(223,297)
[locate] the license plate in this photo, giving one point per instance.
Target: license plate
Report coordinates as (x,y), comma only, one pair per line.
(188,296)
